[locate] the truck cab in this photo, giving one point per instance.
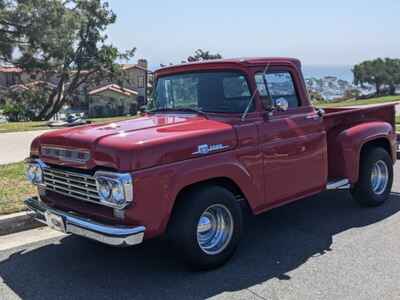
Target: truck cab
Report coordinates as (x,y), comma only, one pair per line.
(218,136)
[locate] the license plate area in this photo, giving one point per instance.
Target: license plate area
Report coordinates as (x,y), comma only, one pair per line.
(55,222)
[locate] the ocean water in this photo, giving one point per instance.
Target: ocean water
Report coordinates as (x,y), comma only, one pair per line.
(341,72)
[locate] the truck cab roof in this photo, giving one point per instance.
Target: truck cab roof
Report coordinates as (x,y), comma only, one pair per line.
(244,62)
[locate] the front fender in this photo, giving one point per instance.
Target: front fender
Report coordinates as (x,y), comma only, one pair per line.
(157,188)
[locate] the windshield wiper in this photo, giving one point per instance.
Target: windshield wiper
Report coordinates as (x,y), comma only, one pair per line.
(179,109)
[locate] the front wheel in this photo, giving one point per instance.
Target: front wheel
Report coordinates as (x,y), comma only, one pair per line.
(206,227)
(375,179)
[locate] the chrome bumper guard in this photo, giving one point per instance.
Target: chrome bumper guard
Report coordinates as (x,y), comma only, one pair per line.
(74,224)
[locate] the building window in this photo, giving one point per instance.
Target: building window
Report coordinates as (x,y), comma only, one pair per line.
(141,81)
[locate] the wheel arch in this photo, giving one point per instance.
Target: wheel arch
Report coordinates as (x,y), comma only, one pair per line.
(352,144)
(222,181)
(381,142)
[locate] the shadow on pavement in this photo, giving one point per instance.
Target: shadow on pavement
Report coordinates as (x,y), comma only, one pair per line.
(273,244)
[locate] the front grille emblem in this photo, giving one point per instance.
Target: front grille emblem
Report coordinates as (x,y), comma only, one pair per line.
(64,154)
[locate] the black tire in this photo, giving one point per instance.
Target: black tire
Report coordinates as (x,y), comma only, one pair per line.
(184,224)
(363,190)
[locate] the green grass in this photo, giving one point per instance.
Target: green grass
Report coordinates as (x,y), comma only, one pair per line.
(354,102)
(14,188)
(30,126)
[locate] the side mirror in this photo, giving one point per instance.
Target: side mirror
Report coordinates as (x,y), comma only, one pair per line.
(281,104)
(320,112)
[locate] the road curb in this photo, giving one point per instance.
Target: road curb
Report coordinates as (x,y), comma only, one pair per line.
(17,222)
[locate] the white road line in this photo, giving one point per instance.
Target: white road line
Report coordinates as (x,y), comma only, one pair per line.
(27,237)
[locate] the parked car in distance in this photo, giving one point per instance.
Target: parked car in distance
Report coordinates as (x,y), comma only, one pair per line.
(219,136)
(69,121)
(3,119)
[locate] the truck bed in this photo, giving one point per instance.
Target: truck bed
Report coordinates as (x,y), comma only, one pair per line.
(342,125)
(354,115)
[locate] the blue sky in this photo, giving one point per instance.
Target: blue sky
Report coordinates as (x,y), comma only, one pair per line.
(318,32)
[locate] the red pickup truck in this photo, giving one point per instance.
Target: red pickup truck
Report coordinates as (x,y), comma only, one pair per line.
(218,136)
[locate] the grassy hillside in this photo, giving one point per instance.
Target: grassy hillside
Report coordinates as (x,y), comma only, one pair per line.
(354,102)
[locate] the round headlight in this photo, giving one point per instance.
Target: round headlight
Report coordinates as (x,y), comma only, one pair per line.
(34,173)
(104,189)
(118,195)
(114,189)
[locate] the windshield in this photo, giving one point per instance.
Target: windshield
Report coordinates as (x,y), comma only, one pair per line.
(225,92)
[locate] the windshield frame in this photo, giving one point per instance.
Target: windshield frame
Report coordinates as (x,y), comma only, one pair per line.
(240,72)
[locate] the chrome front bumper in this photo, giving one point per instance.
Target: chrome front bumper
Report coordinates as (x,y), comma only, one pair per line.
(74,224)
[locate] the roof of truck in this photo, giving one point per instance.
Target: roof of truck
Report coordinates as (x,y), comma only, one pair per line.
(243,61)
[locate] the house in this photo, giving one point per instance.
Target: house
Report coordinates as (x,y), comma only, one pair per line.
(106,98)
(135,76)
(112,100)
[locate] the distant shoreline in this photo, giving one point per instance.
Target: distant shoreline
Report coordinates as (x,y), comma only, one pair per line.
(320,71)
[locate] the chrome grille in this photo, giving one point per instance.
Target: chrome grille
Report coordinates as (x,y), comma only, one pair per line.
(72,184)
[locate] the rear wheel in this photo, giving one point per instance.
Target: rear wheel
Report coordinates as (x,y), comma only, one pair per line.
(206,226)
(375,179)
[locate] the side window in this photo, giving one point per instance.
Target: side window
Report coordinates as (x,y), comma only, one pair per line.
(235,87)
(280,85)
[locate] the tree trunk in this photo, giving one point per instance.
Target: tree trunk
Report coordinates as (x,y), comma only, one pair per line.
(392,89)
(378,88)
(57,104)
(56,108)
(51,102)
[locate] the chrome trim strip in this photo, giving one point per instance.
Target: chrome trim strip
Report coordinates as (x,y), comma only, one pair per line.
(74,224)
(338,185)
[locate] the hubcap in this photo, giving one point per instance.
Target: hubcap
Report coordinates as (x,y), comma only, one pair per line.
(379,177)
(214,229)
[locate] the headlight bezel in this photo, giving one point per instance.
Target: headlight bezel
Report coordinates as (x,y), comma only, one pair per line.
(122,180)
(37,165)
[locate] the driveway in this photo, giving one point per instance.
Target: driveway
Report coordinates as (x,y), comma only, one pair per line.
(14,147)
(324,247)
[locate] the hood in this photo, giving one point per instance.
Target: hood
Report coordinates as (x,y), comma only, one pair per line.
(139,143)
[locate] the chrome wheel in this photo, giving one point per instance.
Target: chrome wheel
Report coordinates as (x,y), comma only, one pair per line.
(379,177)
(215,229)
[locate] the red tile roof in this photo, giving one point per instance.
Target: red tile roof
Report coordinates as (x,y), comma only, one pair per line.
(115,88)
(130,66)
(10,70)
(27,86)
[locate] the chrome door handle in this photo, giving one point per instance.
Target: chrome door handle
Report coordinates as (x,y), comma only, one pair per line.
(313,117)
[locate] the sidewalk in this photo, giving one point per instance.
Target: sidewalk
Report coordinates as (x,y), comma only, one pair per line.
(14,146)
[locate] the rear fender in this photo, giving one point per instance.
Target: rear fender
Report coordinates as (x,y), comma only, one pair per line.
(350,142)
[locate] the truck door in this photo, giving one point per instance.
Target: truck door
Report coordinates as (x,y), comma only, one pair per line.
(293,142)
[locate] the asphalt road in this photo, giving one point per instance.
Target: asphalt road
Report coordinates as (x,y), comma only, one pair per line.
(14,147)
(324,247)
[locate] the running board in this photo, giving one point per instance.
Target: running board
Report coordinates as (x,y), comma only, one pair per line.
(341,184)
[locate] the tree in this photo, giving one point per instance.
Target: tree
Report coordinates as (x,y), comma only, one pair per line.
(63,41)
(393,71)
(378,72)
(200,55)
(30,99)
